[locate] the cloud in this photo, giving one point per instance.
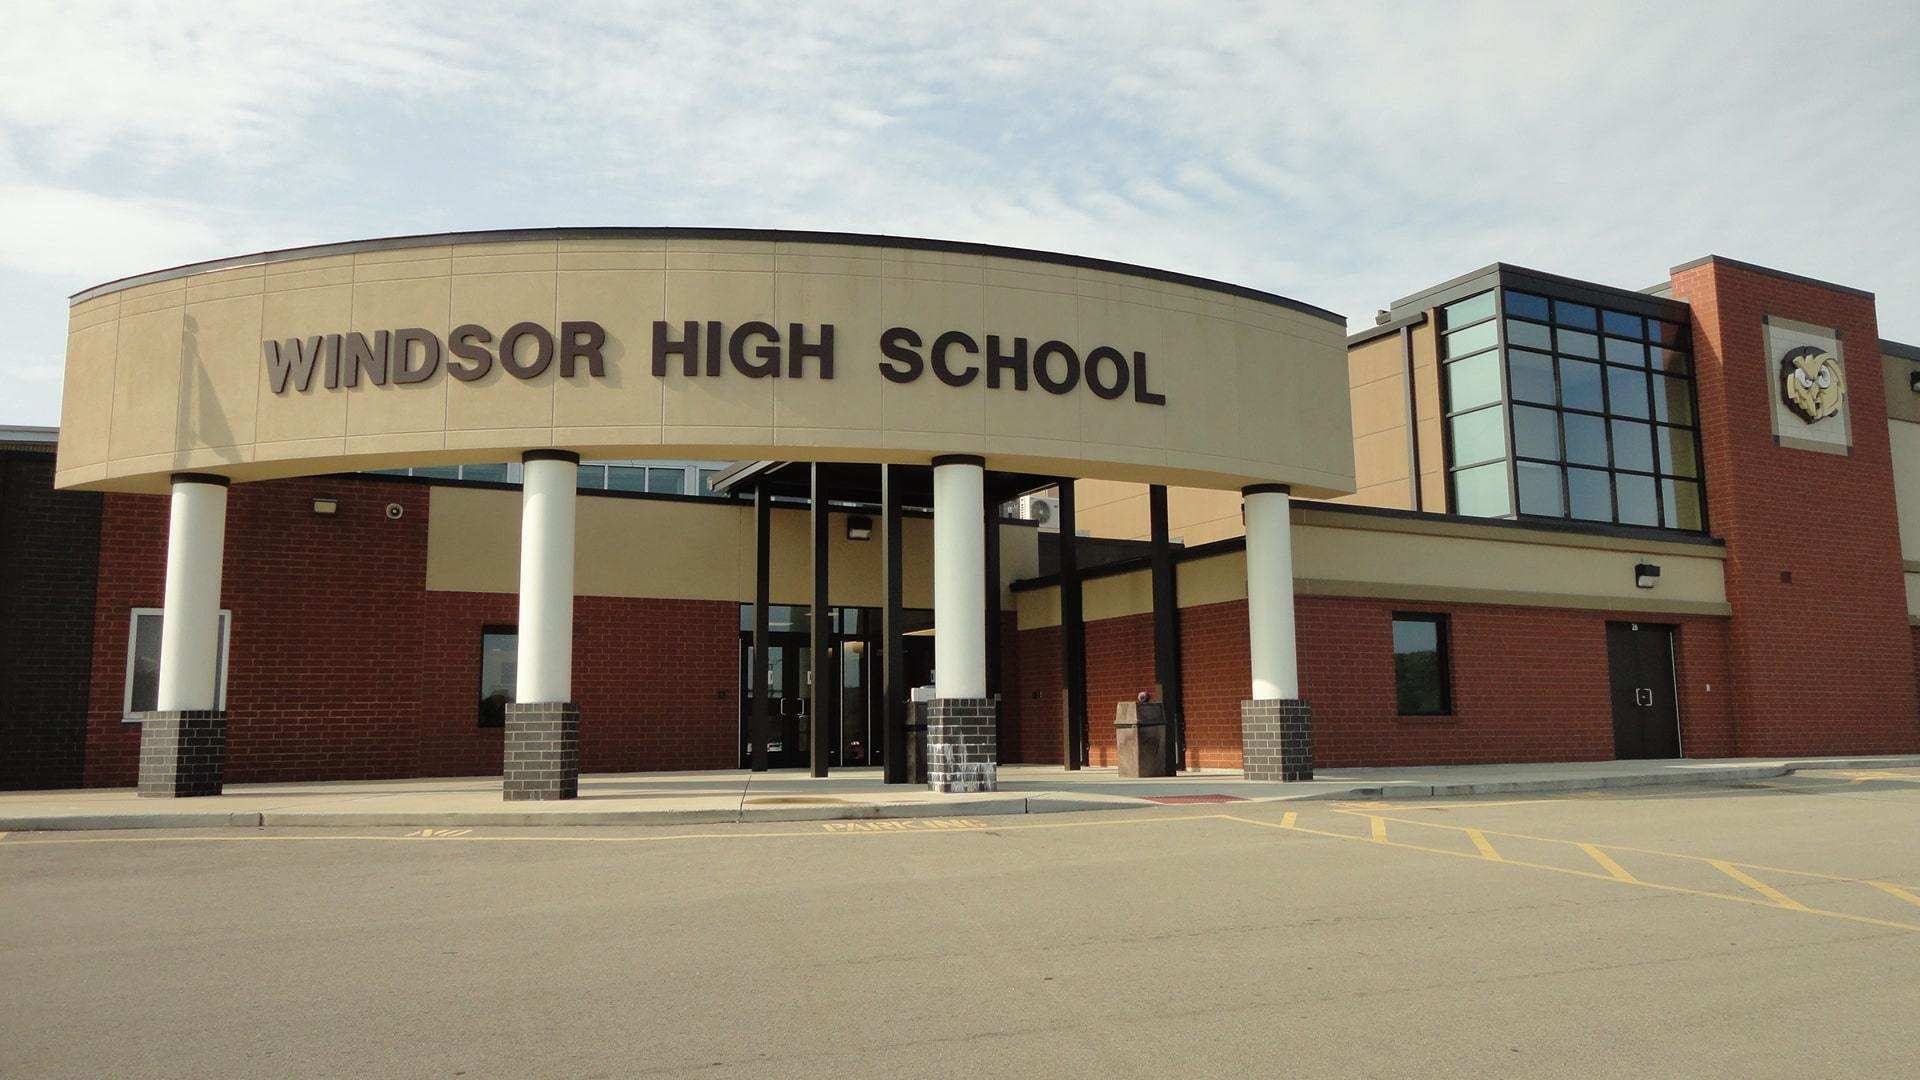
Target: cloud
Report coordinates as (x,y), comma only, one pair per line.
(1343,154)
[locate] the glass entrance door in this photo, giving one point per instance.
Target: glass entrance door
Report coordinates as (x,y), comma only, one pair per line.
(788,666)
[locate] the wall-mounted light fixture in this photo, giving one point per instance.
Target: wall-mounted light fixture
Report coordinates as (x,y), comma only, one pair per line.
(326,506)
(859,527)
(1646,575)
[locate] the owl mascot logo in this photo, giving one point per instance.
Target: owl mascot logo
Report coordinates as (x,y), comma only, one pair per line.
(1811,384)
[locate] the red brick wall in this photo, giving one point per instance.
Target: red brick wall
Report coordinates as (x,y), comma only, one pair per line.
(1823,663)
(1529,684)
(345,667)
(49,560)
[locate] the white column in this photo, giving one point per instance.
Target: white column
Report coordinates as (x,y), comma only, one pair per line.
(190,623)
(547,495)
(959,578)
(1276,669)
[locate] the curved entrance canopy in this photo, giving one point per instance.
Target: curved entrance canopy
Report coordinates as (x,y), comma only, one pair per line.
(698,343)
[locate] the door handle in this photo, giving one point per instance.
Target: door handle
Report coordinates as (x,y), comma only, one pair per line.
(1643,696)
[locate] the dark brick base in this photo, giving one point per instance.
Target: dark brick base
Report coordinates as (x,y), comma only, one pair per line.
(182,753)
(542,758)
(1276,740)
(961,744)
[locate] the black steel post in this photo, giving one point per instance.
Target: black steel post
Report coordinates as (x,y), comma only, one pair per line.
(761,726)
(1166,628)
(1073,635)
(820,693)
(990,516)
(893,650)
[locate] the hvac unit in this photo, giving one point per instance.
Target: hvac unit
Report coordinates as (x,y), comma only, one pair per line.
(1042,510)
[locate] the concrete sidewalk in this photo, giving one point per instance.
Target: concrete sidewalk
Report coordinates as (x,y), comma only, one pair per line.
(741,796)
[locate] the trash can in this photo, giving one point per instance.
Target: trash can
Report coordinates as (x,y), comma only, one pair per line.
(1140,735)
(916,742)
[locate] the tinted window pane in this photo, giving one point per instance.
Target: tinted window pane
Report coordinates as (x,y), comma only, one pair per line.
(1418,663)
(1482,491)
(1576,315)
(1621,351)
(1540,489)
(1472,339)
(1632,445)
(1614,322)
(1479,436)
(1473,381)
(592,478)
(1530,376)
(1668,360)
(1528,335)
(146,663)
(1588,495)
(1575,343)
(439,472)
(1635,495)
(1627,392)
(499,657)
(1470,310)
(707,477)
(667,481)
(1527,305)
(493,473)
(1682,509)
(1536,432)
(1586,439)
(1672,400)
(626,478)
(1663,332)
(1580,385)
(1678,454)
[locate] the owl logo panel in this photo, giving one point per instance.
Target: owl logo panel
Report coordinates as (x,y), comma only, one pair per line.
(1812,385)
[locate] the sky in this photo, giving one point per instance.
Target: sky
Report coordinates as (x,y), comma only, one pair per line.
(1341,154)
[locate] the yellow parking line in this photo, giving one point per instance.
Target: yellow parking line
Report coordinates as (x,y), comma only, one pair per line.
(1627,847)
(1287,820)
(1591,876)
(1486,849)
(1619,872)
(1756,884)
(1379,825)
(1896,891)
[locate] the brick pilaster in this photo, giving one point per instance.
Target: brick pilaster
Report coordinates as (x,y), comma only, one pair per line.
(962,744)
(542,757)
(183,753)
(1276,740)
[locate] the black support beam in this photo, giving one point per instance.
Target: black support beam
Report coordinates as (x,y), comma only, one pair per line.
(1073,635)
(761,726)
(1166,628)
(893,650)
(820,681)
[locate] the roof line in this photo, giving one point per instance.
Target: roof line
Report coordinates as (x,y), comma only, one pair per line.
(668,232)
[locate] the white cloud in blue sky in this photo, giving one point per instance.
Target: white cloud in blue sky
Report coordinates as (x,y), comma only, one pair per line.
(1344,154)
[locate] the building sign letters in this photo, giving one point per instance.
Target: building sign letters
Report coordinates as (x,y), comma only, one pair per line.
(754,350)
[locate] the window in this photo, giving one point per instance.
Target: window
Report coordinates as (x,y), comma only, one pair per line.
(1589,414)
(142,692)
(1420,675)
(499,659)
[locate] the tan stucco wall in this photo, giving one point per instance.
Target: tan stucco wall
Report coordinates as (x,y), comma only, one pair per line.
(170,376)
(1382,460)
(1194,515)
(1337,554)
(684,550)
(1902,402)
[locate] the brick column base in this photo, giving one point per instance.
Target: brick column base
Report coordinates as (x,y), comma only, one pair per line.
(542,758)
(183,753)
(1276,740)
(961,744)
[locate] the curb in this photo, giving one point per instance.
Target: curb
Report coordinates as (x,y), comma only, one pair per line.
(974,806)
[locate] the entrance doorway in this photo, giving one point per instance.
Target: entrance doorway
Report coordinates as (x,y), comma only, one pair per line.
(856,731)
(1646,703)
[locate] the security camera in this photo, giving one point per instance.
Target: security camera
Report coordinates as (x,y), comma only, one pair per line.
(394,510)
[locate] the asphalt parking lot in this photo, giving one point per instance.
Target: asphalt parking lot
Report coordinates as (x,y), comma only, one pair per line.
(1770,929)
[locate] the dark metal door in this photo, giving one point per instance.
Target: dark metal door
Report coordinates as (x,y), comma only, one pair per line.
(787,660)
(1646,706)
